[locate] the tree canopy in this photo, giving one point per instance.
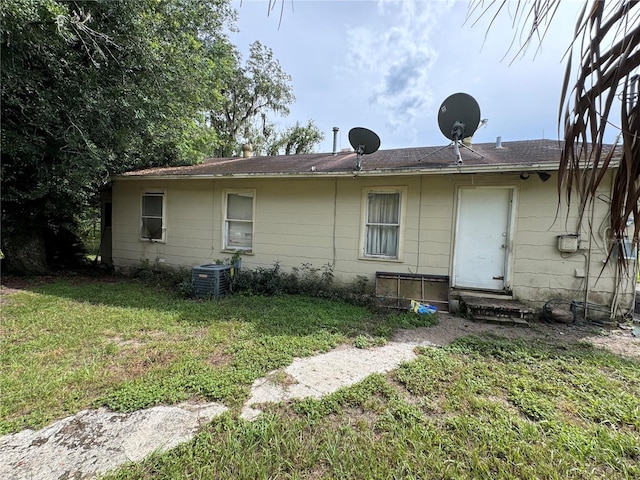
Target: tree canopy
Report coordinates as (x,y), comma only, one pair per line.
(255,88)
(266,139)
(95,88)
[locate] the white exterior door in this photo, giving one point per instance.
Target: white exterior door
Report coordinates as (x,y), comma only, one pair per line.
(483,238)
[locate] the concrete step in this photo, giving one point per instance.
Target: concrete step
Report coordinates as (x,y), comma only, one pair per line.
(496,310)
(480,294)
(519,322)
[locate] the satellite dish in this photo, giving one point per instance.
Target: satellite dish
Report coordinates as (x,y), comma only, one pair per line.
(458,118)
(364,142)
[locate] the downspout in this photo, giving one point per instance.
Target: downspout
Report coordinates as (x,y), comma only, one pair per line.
(614,299)
(335,217)
(615,302)
(616,278)
(633,281)
(213,217)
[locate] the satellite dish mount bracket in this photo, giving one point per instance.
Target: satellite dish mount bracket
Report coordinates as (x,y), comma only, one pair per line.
(359,153)
(457,134)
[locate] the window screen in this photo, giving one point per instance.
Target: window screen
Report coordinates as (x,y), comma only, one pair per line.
(382,228)
(152,216)
(239,221)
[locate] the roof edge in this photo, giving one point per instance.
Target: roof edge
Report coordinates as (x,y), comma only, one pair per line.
(446,170)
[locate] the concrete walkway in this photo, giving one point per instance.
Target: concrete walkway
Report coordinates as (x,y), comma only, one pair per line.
(323,374)
(93,442)
(96,441)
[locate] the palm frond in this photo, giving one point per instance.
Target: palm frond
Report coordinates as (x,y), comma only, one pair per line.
(601,61)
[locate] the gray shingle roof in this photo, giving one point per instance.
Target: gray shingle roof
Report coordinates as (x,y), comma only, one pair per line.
(542,154)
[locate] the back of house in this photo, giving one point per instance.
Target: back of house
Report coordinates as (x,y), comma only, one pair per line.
(493,224)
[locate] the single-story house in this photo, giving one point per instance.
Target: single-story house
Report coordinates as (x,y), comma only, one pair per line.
(491,223)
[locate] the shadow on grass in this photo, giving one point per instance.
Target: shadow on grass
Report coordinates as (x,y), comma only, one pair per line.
(534,350)
(268,315)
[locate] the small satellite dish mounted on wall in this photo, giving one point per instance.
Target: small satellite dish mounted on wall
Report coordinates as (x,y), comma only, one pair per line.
(459,118)
(364,142)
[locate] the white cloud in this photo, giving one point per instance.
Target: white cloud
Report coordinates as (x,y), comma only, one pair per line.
(396,56)
(388,65)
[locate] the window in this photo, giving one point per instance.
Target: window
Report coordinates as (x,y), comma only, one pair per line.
(238,220)
(382,224)
(152,217)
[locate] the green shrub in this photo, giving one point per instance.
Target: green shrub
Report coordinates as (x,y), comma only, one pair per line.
(185,287)
(163,276)
(304,280)
(259,281)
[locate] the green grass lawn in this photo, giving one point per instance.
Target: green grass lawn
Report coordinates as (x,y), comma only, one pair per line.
(482,407)
(70,344)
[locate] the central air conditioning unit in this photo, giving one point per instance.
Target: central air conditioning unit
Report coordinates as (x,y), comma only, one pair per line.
(211,280)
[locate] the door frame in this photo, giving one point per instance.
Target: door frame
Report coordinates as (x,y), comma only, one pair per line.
(511,229)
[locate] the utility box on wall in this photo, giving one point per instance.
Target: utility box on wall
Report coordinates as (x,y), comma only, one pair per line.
(211,280)
(568,243)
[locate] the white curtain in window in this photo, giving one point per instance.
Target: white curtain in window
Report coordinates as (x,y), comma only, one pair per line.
(383,224)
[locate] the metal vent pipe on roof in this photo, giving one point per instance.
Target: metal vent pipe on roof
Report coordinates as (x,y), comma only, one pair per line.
(335,140)
(498,142)
(247,150)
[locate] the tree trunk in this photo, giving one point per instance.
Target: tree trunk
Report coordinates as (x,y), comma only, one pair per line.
(24,253)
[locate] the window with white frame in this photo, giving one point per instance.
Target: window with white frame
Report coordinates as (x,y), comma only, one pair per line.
(152,224)
(238,219)
(382,224)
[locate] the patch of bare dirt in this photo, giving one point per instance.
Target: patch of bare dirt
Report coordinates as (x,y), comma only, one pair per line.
(11,285)
(618,341)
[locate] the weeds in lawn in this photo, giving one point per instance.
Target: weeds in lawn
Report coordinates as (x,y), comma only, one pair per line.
(483,408)
(366,341)
(77,342)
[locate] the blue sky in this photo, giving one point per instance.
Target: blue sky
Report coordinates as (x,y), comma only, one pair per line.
(388,65)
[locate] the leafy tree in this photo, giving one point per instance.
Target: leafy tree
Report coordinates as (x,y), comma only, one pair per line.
(258,87)
(607,44)
(301,139)
(294,140)
(91,89)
